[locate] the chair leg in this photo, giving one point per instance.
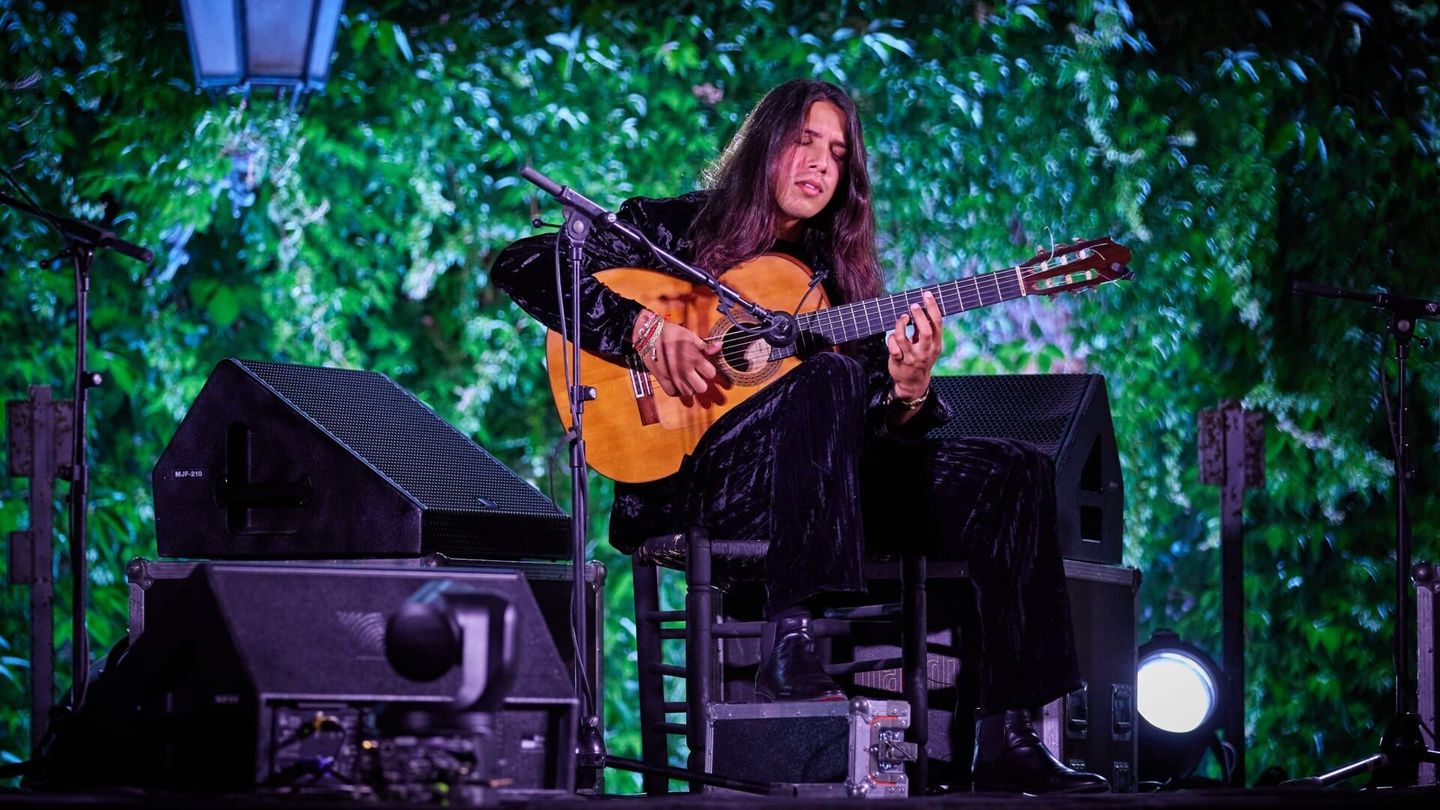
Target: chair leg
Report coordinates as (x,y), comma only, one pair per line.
(699,645)
(915,663)
(654,744)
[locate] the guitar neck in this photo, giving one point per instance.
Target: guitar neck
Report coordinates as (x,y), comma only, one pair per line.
(847,322)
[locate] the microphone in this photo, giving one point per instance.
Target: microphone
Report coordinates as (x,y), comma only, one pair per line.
(1400,304)
(83,232)
(102,238)
(566,195)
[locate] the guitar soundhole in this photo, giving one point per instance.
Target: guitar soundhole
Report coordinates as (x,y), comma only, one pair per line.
(745,359)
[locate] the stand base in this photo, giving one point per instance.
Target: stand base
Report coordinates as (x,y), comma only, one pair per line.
(1402,750)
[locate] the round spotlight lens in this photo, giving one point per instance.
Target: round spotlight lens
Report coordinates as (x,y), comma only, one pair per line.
(1175,692)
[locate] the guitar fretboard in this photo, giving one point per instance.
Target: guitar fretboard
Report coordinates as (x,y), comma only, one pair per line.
(848,322)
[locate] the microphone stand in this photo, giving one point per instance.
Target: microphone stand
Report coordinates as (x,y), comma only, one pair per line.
(82,240)
(1402,746)
(582,217)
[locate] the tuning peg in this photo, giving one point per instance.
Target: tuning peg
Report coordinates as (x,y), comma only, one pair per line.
(1077,239)
(1040,251)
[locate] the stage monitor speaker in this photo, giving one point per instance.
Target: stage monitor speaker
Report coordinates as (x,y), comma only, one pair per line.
(1066,416)
(277,461)
(255,675)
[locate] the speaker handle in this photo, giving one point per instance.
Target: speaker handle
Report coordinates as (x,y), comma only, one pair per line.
(264,494)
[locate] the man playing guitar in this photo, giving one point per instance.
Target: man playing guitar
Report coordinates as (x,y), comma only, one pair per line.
(830,454)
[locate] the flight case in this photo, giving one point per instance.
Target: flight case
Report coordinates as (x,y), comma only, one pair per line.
(840,749)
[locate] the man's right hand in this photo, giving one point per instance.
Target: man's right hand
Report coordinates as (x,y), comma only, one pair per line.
(681,360)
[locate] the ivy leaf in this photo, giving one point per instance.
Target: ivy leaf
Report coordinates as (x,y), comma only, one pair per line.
(402,41)
(223,307)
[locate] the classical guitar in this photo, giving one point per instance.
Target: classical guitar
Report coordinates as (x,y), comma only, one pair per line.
(636,432)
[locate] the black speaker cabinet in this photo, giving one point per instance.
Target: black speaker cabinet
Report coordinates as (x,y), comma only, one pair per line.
(279,461)
(1094,728)
(240,676)
(1066,416)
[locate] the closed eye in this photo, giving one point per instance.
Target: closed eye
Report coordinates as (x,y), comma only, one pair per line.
(838,150)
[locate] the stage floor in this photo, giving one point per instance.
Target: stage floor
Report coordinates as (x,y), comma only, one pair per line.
(1270,797)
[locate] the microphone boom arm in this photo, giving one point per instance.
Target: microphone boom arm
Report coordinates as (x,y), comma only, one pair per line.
(778,328)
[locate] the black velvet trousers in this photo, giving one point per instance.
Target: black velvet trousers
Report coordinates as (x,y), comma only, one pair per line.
(793,465)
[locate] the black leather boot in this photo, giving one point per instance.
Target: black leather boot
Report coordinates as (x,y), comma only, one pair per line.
(1010,757)
(793,671)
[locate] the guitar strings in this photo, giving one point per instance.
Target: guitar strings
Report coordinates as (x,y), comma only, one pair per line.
(965,293)
(844,322)
(847,321)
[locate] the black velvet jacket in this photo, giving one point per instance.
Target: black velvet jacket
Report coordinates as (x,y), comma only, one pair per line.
(526,271)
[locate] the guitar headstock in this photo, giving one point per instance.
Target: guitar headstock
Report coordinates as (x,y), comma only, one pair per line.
(1076,266)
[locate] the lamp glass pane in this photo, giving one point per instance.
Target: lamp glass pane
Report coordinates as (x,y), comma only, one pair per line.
(276,32)
(326,22)
(211,24)
(1174,692)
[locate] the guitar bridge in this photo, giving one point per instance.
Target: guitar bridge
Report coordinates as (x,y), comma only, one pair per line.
(644,390)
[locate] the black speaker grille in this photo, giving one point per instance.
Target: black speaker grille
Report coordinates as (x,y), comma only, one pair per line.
(407,442)
(1036,408)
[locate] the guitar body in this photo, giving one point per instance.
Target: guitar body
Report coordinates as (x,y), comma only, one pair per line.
(633,430)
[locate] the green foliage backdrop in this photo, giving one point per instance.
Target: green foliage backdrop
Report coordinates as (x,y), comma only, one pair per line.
(1234,146)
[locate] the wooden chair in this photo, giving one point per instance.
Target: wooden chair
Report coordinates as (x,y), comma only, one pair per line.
(712,567)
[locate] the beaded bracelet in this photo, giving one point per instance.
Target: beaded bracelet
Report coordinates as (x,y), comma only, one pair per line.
(651,344)
(647,331)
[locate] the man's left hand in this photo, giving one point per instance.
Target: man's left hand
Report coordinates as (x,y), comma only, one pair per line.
(912,356)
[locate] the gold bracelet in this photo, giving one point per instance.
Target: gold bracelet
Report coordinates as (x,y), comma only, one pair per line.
(910,404)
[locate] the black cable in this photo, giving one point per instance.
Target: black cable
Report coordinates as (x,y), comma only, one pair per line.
(555,449)
(550,459)
(43,215)
(562,309)
(816,279)
(564,356)
(1385,397)
(317,767)
(1229,758)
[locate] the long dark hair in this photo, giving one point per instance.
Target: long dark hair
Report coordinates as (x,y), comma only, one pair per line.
(738,221)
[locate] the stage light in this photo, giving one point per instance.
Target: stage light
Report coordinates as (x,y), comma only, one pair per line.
(276,43)
(1176,693)
(442,627)
(1178,698)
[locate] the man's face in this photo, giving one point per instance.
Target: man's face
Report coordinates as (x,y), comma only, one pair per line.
(809,169)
